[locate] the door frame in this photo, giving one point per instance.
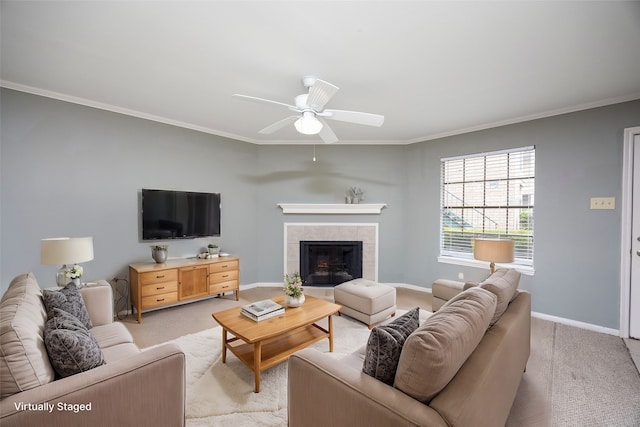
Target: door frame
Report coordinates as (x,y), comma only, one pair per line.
(625,242)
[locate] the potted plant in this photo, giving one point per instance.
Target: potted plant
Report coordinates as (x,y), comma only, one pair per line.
(74,273)
(293,290)
(213,249)
(159,253)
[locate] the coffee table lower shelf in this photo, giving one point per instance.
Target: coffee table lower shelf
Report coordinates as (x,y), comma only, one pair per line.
(274,350)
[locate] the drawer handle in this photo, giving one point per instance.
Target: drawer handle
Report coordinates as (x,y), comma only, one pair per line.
(225,275)
(225,287)
(159,300)
(160,277)
(225,266)
(159,287)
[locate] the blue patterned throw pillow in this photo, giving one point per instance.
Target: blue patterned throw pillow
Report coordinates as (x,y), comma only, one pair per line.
(67,299)
(71,347)
(385,345)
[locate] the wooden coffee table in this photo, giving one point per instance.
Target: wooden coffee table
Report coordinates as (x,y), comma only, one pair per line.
(260,345)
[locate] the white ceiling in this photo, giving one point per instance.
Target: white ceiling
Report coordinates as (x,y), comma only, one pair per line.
(431,68)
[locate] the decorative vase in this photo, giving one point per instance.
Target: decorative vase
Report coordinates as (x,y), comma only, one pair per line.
(159,255)
(294,301)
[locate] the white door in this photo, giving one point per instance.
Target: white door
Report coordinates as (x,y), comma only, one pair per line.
(634,311)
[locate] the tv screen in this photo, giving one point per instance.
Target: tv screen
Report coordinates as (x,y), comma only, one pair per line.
(170,214)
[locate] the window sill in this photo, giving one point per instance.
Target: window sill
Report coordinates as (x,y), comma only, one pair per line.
(523,269)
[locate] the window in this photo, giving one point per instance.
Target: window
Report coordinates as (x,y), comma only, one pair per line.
(488,195)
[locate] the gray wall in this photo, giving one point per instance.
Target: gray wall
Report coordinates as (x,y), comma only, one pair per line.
(69,170)
(288,175)
(73,170)
(577,250)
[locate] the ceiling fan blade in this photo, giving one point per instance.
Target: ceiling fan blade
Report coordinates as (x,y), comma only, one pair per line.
(354,117)
(278,125)
(320,93)
(327,134)
(264,101)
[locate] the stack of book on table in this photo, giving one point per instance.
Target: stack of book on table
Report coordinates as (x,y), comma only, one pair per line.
(262,310)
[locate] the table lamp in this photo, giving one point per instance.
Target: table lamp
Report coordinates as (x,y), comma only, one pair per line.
(493,250)
(64,251)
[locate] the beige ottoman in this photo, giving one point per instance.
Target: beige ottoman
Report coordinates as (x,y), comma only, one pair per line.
(367,301)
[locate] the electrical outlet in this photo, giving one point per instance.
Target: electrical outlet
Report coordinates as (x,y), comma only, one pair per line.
(460,276)
(603,203)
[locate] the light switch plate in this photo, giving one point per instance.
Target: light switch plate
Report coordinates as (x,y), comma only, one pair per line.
(603,203)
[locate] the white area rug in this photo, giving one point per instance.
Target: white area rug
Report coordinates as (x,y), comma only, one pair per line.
(222,394)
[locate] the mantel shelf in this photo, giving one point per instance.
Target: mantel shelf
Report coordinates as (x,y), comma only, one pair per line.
(315,208)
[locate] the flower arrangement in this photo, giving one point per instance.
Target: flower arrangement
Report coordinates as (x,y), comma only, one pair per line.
(159,247)
(293,285)
(74,272)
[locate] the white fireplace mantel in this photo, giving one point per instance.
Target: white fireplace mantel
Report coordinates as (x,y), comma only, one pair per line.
(317,208)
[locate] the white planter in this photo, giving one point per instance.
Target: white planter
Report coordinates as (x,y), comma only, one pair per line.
(293,301)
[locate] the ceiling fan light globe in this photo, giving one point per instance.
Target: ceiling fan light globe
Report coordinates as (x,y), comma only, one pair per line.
(308,124)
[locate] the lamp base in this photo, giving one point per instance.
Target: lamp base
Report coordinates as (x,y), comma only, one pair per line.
(61,276)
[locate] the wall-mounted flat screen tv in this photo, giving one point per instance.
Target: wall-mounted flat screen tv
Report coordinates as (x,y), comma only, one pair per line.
(168,214)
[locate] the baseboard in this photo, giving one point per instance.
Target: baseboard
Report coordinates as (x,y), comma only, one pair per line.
(278,284)
(262,285)
(408,286)
(575,323)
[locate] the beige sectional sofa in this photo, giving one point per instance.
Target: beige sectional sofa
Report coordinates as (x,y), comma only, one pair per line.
(460,367)
(132,387)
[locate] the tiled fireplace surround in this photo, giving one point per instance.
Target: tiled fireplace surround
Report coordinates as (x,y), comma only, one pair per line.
(365,232)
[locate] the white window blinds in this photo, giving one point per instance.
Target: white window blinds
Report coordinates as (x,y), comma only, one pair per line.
(488,195)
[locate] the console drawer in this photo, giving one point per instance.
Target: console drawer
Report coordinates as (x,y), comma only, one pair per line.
(160,299)
(223,266)
(159,288)
(223,276)
(158,276)
(219,288)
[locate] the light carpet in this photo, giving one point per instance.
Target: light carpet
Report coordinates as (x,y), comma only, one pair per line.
(594,380)
(574,378)
(222,394)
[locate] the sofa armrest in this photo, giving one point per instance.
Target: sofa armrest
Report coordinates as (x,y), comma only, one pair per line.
(468,285)
(145,389)
(99,302)
(324,392)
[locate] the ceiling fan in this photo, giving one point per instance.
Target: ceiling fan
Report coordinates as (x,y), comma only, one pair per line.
(311,114)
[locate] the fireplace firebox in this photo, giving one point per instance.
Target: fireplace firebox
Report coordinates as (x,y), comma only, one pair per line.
(329,263)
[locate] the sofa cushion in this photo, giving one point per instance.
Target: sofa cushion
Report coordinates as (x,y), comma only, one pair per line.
(385,344)
(111,334)
(72,349)
(69,300)
(433,353)
(24,363)
(504,284)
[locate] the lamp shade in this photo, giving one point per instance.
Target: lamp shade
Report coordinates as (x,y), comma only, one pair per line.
(493,250)
(66,250)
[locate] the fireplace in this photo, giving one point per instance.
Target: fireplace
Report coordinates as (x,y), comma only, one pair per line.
(329,263)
